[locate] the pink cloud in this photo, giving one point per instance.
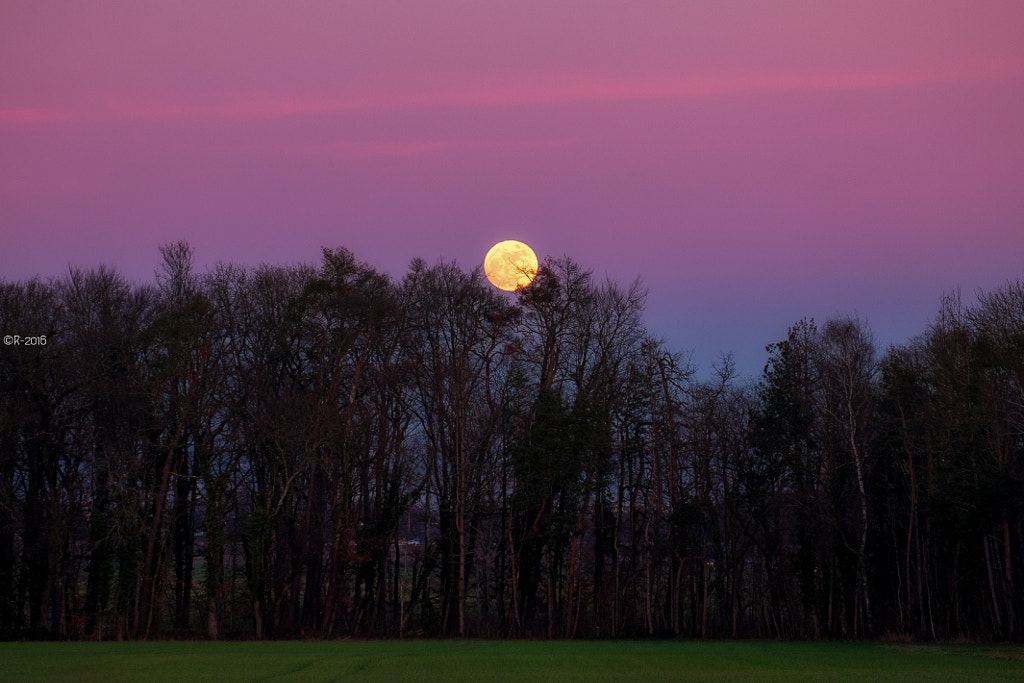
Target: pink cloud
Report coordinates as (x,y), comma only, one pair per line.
(368,150)
(515,92)
(28,116)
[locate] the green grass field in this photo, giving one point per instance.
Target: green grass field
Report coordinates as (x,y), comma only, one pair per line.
(508,660)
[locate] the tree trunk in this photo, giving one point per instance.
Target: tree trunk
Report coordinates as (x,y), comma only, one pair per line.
(1011,614)
(862,547)
(146,602)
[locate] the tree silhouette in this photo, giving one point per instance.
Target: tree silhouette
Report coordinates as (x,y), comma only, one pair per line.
(316,450)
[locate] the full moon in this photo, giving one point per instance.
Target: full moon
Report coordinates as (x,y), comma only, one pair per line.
(510,265)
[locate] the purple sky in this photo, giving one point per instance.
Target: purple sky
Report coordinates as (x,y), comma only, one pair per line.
(754,162)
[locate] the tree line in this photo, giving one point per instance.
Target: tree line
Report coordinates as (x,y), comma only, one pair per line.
(318,450)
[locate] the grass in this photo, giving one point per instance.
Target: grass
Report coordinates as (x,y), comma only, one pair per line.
(478,660)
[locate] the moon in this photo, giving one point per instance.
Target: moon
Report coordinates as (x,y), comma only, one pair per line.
(510,265)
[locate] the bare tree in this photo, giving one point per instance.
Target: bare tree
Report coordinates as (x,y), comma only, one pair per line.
(458,327)
(849,372)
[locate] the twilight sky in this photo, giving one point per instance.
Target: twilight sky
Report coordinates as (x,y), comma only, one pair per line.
(753,162)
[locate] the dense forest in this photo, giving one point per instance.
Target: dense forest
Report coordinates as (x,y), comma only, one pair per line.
(323,451)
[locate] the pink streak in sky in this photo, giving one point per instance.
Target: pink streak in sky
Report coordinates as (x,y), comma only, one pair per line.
(535,93)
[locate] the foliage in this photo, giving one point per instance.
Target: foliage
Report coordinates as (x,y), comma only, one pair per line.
(321,451)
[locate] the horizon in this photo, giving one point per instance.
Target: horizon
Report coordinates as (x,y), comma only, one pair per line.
(702,370)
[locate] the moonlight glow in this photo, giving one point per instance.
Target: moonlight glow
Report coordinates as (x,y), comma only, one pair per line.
(510,265)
